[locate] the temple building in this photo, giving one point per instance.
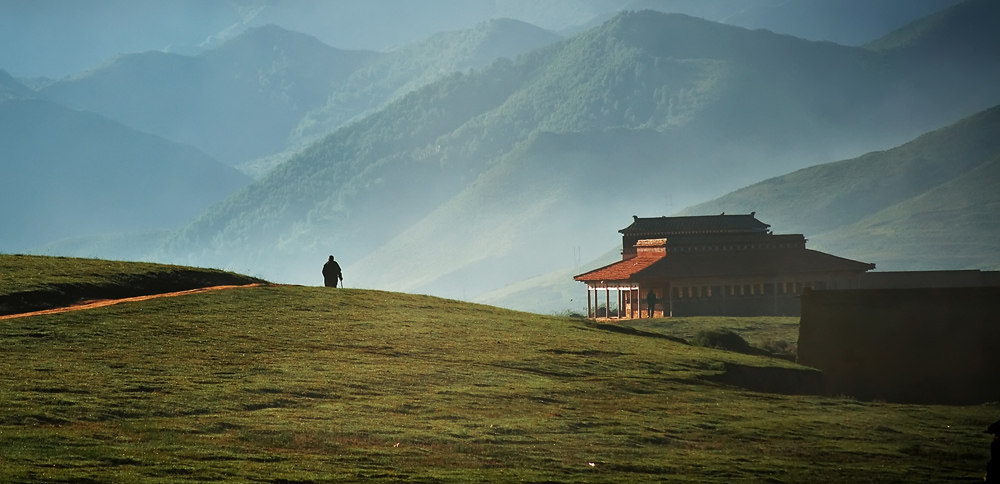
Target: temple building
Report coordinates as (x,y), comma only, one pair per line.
(717,265)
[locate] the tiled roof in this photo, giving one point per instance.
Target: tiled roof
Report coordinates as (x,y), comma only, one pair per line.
(622,270)
(748,263)
(701,224)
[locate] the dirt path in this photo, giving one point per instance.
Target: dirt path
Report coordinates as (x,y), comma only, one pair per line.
(100,303)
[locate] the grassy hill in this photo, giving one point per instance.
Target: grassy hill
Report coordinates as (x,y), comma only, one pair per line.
(952,226)
(31,283)
(300,384)
(66,173)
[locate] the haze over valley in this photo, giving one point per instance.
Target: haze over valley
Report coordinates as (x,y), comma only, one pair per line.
(489,150)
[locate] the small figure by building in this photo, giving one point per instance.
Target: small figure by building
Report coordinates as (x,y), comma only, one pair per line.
(650,303)
(332,273)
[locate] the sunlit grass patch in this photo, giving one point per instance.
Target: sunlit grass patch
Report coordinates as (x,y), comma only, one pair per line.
(31,283)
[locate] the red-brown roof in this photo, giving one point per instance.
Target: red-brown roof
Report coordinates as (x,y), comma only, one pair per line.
(771,262)
(622,270)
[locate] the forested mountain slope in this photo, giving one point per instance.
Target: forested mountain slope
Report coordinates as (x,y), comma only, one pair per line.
(394,73)
(522,163)
(931,203)
(67,173)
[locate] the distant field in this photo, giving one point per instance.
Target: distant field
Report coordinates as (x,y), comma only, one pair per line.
(29,283)
(298,384)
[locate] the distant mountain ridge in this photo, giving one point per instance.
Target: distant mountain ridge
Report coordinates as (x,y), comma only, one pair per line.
(11,89)
(270,90)
(90,31)
(235,102)
(490,177)
(952,31)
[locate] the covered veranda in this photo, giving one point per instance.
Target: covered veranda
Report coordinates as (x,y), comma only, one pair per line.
(621,300)
(629,300)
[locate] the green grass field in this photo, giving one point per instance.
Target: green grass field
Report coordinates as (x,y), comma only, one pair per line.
(30,282)
(296,384)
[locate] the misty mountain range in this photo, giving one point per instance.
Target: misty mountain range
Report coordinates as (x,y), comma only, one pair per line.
(68,173)
(478,159)
(59,38)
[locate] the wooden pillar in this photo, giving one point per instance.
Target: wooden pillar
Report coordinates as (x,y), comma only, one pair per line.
(670,298)
(607,302)
(725,289)
(590,313)
(774,312)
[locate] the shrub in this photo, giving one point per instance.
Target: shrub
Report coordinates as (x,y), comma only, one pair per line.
(781,348)
(722,339)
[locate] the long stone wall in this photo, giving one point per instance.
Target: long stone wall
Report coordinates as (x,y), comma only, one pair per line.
(939,345)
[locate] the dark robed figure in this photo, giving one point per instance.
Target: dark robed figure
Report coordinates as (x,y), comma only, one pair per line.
(331,273)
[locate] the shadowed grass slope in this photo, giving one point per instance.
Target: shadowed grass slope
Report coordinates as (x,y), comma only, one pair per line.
(29,283)
(296,384)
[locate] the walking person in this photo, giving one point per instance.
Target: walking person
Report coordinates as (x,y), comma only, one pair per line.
(650,303)
(332,273)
